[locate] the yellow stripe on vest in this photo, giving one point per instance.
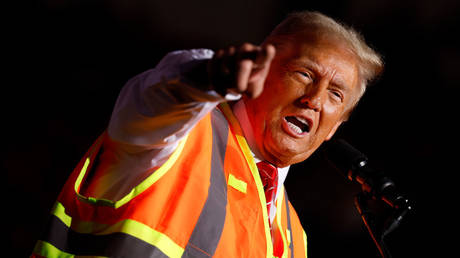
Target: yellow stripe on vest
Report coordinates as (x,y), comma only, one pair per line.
(305,242)
(288,234)
(149,235)
(154,177)
(149,181)
(254,171)
(59,211)
(236,183)
(128,226)
(46,249)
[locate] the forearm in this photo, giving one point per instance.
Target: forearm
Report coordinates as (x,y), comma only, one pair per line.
(157,108)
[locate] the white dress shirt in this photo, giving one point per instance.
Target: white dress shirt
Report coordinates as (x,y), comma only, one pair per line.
(153,112)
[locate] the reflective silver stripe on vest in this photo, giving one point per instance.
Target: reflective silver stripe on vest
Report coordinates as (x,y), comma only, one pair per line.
(288,215)
(116,244)
(208,230)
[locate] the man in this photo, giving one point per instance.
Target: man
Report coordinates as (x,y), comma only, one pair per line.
(197,149)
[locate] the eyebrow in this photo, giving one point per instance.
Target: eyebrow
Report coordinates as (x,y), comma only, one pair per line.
(340,83)
(337,81)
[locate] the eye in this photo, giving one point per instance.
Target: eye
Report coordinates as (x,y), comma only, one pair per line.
(336,95)
(306,75)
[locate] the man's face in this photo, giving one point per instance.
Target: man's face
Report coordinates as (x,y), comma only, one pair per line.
(311,85)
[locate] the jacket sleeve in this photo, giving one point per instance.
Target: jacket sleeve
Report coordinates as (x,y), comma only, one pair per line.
(153,112)
(160,106)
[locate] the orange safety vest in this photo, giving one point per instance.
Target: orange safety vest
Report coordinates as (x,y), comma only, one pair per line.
(206,200)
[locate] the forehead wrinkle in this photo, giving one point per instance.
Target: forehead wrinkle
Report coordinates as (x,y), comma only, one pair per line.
(336,79)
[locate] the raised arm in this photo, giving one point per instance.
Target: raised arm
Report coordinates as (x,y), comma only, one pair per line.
(157,108)
(160,106)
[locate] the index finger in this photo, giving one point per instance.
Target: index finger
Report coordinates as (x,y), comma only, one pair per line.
(265,55)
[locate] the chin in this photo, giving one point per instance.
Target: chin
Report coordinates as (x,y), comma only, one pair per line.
(283,155)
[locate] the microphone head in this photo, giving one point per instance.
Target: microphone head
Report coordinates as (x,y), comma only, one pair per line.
(343,156)
(353,164)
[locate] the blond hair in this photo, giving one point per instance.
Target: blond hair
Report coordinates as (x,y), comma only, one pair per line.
(370,63)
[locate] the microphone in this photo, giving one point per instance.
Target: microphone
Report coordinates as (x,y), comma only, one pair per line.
(355,166)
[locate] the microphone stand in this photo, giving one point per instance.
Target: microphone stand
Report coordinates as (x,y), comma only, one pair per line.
(377,225)
(380,205)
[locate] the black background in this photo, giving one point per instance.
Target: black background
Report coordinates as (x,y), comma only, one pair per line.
(65,62)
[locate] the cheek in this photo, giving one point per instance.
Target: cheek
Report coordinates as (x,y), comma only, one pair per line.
(260,114)
(281,84)
(329,118)
(330,110)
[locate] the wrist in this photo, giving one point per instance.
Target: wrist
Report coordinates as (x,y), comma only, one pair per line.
(195,73)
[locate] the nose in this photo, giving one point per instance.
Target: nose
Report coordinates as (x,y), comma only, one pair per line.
(314,96)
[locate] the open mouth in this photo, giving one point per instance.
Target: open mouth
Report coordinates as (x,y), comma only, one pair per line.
(297,124)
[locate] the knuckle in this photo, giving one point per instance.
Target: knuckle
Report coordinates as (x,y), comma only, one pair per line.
(246,46)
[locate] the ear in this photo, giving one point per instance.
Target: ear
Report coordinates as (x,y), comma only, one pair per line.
(333,130)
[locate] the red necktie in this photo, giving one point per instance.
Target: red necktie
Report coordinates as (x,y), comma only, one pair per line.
(269,176)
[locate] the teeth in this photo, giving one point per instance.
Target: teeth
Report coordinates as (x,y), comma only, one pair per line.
(302,120)
(298,124)
(295,128)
